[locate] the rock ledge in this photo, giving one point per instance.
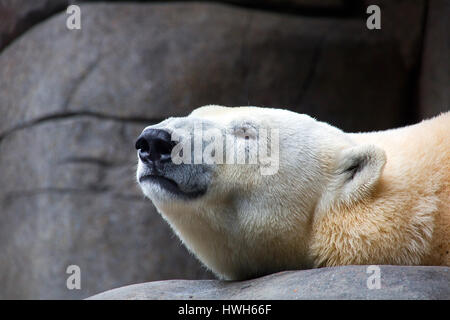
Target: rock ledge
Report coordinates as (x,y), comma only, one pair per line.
(350,282)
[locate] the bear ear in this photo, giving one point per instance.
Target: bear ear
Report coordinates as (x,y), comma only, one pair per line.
(357,171)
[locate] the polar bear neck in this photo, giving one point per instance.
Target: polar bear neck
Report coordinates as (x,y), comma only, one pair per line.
(233,254)
(405,218)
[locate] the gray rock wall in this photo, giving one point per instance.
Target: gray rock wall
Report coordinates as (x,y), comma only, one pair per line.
(73,102)
(435,73)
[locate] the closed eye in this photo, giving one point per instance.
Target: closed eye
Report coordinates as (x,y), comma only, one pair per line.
(245,130)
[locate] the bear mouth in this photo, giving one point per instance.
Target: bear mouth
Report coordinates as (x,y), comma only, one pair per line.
(171,186)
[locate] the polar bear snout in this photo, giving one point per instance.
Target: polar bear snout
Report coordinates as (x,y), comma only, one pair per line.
(154,146)
(159,176)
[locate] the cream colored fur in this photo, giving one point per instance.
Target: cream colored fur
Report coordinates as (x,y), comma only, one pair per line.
(337,198)
(405,219)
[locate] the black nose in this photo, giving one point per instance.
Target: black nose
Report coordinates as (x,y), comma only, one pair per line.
(154,145)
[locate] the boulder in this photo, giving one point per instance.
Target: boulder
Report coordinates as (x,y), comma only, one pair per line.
(71,199)
(435,73)
(196,54)
(338,283)
(17,16)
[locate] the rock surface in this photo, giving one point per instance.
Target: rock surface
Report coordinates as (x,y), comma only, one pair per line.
(435,73)
(16,16)
(70,199)
(328,283)
(196,54)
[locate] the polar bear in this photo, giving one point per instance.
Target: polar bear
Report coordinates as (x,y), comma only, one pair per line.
(332,198)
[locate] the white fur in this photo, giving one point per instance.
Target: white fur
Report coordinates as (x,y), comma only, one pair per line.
(248,224)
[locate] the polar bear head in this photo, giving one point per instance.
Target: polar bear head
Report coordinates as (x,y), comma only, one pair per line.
(241,187)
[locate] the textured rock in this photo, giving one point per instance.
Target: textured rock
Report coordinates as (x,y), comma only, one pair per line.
(16,16)
(435,75)
(72,103)
(328,283)
(71,199)
(191,55)
(303,6)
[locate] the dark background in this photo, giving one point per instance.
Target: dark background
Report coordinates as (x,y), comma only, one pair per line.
(72,103)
